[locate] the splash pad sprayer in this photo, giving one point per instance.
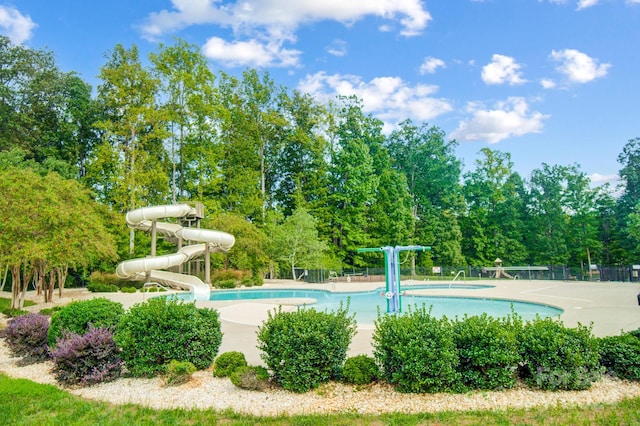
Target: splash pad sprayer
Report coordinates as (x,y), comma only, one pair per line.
(392,272)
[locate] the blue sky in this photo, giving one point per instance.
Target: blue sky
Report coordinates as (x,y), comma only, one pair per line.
(555,81)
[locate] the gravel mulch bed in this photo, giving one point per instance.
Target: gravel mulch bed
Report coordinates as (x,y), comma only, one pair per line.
(206,391)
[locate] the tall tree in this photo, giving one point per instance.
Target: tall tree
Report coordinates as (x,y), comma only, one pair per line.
(433,174)
(249,120)
(188,87)
(44,112)
(129,167)
(629,158)
(493,223)
(547,231)
(352,181)
(300,169)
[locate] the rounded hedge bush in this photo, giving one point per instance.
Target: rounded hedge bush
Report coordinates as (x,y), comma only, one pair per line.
(488,352)
(620,355)
(306,348)
(555,357)
(251,377)
(227,362)
(360,370)
(77,316)
(416,352)
(179,372)
(152,334)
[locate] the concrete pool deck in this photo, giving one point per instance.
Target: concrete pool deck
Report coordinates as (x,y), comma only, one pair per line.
(611,307)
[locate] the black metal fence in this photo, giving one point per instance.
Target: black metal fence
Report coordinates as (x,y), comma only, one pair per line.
(622,273)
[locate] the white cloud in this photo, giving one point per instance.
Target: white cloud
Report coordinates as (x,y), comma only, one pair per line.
(633,1)
(250,14)
(547,83)
(507,119)
(578,67)
(430,65)
(598,179)
(584,4)
(337,48)
(501,70)
(249,53)
(15,25)
(388,98)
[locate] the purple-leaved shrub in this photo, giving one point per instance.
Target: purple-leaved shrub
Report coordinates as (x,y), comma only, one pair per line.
(88,359)
(26,336)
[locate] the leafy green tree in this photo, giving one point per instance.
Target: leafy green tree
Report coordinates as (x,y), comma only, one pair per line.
(47,225)
(299,243)
(249,119)
(580,203)
(44,112)
(300,168)
(352,181)
(433,174)
(188,86)
(629,158)
(129,167)
(493,224)
(547,231)
(248,252)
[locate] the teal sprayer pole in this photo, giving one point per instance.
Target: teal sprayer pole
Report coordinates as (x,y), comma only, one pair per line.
(392,273)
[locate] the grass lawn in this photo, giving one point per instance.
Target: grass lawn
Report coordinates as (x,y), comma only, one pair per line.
(6,303)
(27,403)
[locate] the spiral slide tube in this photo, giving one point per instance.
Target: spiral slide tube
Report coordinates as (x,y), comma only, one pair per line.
(137,269)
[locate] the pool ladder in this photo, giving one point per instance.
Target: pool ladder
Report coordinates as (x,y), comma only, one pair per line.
(464,277)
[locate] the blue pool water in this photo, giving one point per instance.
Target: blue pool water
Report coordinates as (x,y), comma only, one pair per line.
(365,304)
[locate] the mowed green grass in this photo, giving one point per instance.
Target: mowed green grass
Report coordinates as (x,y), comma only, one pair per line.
(6,303)
(23,402)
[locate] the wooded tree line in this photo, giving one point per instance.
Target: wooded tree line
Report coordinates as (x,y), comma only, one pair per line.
(298,182)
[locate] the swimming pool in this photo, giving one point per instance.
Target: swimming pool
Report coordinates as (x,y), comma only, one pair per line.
(365,304)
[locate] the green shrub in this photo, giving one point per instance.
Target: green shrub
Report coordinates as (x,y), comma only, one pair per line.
(417,352)
(558,358)
(226,362)
(128,289)
(488,352)
(77,316)
(360,370)
(88,359)
(251,377)
(108,279)
(635,333)
(179,372)
(620,355)
(305,348)
(152,334)
(226,284)
(102,288)
(247,282)
(26,336)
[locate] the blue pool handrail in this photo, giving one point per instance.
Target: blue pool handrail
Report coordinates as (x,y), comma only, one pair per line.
(392,272)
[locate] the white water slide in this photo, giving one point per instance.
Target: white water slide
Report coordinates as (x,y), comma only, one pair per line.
(146,219)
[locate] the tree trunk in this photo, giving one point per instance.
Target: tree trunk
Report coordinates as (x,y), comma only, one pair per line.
(27,276)
(62,278)
(51,285)
(15,286)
